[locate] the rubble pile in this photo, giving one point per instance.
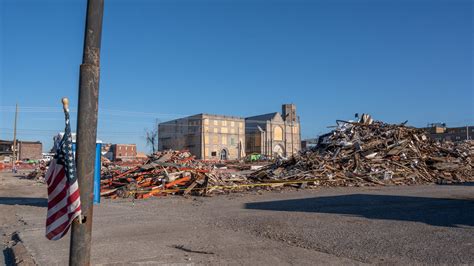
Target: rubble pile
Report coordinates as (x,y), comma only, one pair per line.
(371,152)
(38,173)
(169,172)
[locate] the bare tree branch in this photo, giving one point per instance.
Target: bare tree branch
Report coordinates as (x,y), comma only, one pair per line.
(152,139)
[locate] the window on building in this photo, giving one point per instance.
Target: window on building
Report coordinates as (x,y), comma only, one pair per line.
(278,133)
(224,130)
(216,130)
(224,123)
(232,131)
(216,123)
(215,139)
(224,140)
(232,124)
(295,130)
(241,125)
(232,141)
(214,153)
(206,121)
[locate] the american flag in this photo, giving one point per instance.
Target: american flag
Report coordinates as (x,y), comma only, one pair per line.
(64,203)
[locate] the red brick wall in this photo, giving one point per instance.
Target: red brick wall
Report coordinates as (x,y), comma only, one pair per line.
(125,151)
(30,150)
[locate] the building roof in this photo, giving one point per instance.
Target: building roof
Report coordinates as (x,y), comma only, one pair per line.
(201,116)
(225,116)
(263,117)
(122,144)
(22,141)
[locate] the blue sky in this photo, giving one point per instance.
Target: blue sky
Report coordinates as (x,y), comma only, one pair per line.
(395,59)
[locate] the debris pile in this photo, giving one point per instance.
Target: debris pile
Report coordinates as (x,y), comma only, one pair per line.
(169,172)
(371,152)
(39,173)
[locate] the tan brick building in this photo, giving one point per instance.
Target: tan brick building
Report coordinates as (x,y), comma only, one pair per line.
(206,136)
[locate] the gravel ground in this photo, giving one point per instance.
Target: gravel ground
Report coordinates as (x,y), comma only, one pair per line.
(379,225)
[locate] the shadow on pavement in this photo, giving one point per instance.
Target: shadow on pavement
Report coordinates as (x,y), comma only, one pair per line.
(36,202)
(433,211)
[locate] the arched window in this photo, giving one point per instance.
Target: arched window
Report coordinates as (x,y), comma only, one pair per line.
(278,133)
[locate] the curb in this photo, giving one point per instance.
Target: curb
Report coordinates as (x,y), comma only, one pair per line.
(16,253)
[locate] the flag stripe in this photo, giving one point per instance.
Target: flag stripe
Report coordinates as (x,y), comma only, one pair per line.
(52,171)
(57,223)
(58,230)
(62,207)
(60,197)
(54,184)
(62,187)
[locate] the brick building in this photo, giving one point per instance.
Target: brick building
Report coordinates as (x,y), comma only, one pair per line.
(27,150)
(274,134)
(124,152)
(206,136)
(30,150)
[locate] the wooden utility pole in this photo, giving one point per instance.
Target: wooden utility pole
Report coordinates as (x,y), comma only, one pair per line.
(14,150)
(81,231)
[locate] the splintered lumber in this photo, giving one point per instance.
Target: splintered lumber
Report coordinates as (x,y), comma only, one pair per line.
(168,172)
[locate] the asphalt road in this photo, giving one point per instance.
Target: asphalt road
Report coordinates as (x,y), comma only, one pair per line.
(381,225)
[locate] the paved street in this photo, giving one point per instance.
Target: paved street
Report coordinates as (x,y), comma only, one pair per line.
(418,224)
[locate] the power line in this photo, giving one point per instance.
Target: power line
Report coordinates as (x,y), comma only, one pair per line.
(103,111)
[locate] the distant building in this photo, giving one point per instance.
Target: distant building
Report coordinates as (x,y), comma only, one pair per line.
(124,152)
(27,150)
(274,133)
(440,132)
(30,150)
(6,151)
(206,136)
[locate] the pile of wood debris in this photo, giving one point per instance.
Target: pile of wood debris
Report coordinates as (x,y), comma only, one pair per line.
(371,152)
(168,172)
(38,173)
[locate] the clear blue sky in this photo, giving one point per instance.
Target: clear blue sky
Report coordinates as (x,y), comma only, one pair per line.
(395,59)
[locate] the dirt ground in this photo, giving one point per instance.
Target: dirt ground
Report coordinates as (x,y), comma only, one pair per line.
(378,225)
